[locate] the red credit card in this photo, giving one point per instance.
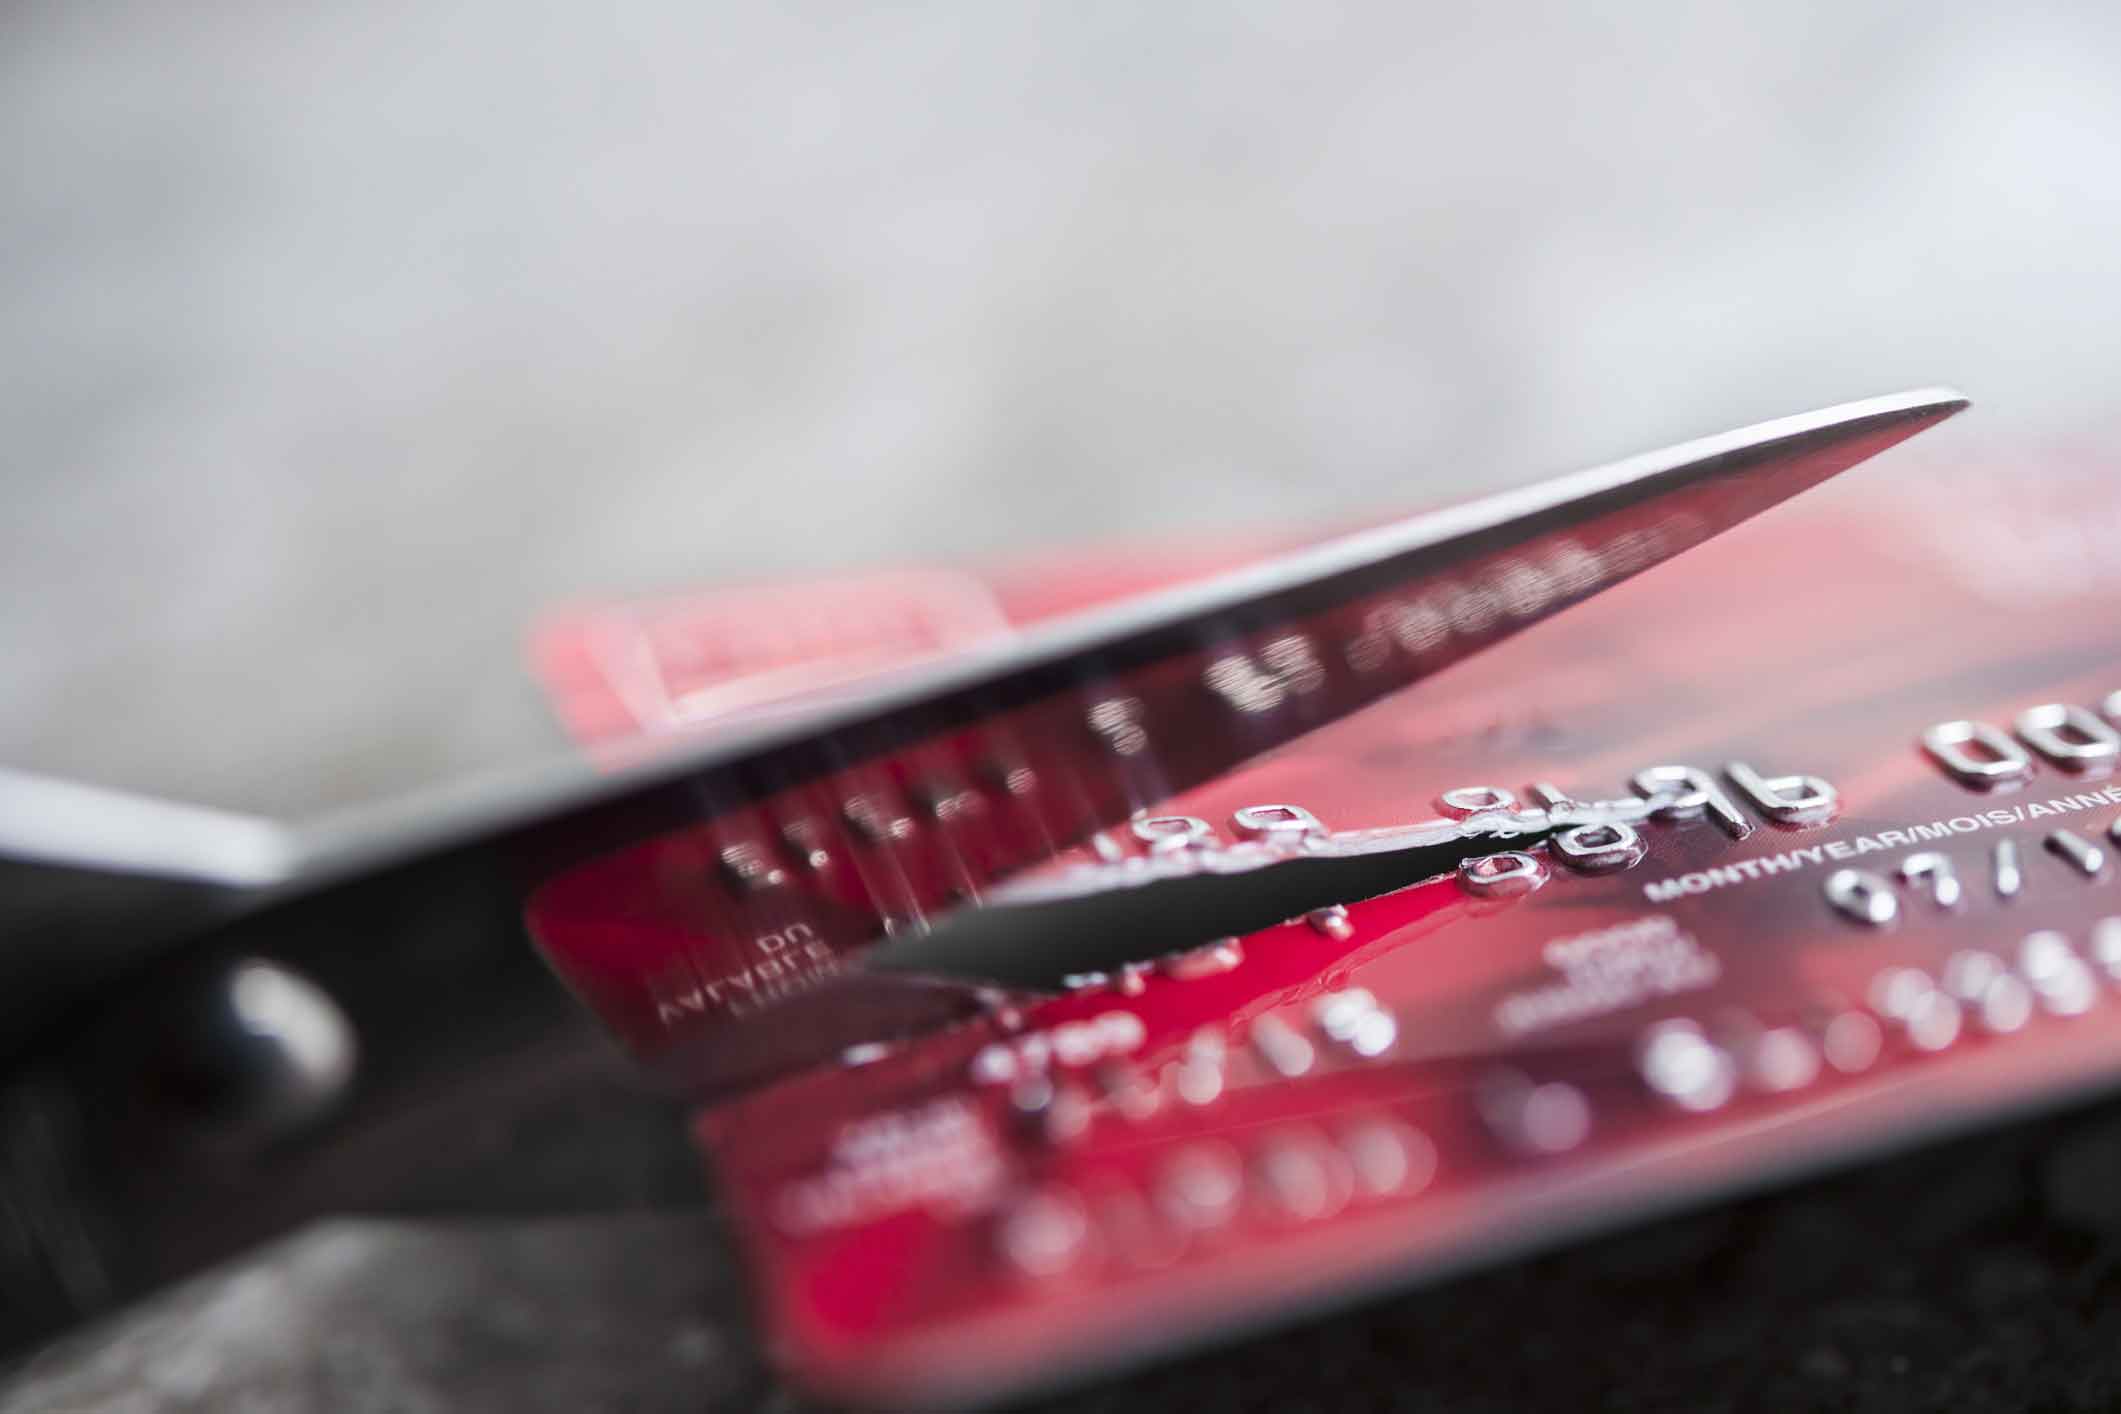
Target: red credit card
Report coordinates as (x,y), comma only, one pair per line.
(1877,902)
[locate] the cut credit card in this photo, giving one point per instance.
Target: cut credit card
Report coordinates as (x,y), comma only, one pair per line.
(1874,901)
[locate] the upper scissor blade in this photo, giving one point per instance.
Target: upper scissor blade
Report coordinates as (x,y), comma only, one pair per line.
(1135,702)
(1127,704)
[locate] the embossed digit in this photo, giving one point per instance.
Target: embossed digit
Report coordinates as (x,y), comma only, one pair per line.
(1599,848)
(2069,736)
(1276,823)
(1863,896)
(1461,802)
(1936,869)
(1167,833)
(1797,799)
(1976,754)
(1693,793)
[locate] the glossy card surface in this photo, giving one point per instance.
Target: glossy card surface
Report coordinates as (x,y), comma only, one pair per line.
(1852,939)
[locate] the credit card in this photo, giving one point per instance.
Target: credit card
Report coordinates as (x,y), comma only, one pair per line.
(1871,899)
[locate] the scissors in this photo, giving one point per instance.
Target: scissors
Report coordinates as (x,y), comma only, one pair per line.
(222,1024)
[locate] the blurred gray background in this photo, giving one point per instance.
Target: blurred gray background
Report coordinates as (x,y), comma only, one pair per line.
(336,340)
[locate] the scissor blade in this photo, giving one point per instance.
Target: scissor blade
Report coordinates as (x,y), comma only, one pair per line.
(1171,689)
(1177,686)
(1406,599)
